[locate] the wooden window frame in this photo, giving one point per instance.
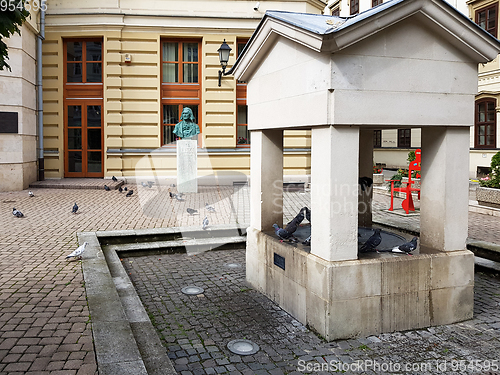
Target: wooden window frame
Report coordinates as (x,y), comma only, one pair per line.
(354,7)
(84,104)
(241,96)
(83,61)
(376,2)
(404,134)
(492,30)
(377,138)
(180,93)
(83,94)
(487,124)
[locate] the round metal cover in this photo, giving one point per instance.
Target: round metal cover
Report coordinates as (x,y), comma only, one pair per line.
(242,347)
(192,290)
(233,265)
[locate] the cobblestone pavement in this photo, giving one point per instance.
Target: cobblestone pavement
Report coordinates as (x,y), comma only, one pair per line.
(44,318)
(196,329)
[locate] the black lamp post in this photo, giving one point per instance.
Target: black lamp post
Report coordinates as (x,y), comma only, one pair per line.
(224,51)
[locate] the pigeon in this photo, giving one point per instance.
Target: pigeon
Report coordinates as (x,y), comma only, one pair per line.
(287,232)
(30,193)
(292,226)
(407,247)
(114,178)
(144,184)
(205,223)
(129,194)
(120,189)
(17,213)
(106,188)
(78,252)
(372,242)
(307,241)
(172,185)
(209,208)
(150,184)
(75,208)
(191,211)
(178,197)
(125,188)
(172,195)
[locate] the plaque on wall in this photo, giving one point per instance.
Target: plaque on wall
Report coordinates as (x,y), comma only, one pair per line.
(8,122)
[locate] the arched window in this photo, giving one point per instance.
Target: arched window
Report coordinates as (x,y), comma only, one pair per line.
(485,123)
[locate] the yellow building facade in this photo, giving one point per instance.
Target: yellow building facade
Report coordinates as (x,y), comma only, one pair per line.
(485,135)
(117,74)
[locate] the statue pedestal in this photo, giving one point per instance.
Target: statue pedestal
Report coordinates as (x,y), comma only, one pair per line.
(187,166)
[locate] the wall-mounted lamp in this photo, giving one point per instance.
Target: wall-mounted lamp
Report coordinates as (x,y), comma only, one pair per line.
(224,51)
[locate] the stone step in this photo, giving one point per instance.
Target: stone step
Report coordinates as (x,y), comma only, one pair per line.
(189,245)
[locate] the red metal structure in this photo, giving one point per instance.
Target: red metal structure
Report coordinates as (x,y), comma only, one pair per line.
(407,203)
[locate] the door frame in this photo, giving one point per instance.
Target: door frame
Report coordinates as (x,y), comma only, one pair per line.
(83,103)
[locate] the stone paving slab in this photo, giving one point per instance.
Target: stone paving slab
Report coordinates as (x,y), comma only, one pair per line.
(44,317)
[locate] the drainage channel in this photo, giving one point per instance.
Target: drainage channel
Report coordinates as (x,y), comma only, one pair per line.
(125,340)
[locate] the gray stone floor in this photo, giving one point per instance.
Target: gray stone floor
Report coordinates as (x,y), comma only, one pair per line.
(196,329)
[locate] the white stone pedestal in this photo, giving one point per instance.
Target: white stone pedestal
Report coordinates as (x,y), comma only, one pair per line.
(187,166)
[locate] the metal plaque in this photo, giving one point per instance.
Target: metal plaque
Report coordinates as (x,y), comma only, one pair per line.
(9,122)
(279,261)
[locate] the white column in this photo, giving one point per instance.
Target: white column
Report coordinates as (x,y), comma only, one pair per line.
(365,170)
(444,200)
(266,179)
(334,192)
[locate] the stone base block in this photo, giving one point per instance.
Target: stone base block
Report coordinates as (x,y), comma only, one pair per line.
(347,299)
(378,179)
(489,197)
(17,176)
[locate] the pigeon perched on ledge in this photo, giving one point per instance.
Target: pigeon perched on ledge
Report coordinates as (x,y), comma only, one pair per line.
(114,179)
(17,213)
(287,232)
(372,242)
(78,252)
(205,223)
(283,234)
(407,247)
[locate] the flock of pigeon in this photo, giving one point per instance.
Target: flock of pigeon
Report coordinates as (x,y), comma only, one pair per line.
(77,254)
(369,246)
(192,211)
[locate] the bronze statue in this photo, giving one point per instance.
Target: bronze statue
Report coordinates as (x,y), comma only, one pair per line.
(186,128)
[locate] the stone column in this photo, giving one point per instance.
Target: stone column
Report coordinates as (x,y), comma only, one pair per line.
(444,199)
(266,179)
(334,192)
(365,170)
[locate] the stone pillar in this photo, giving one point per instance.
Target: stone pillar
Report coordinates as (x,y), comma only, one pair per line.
(444,199)
(187,166)
(266,179)
(365,170)
(334,192)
